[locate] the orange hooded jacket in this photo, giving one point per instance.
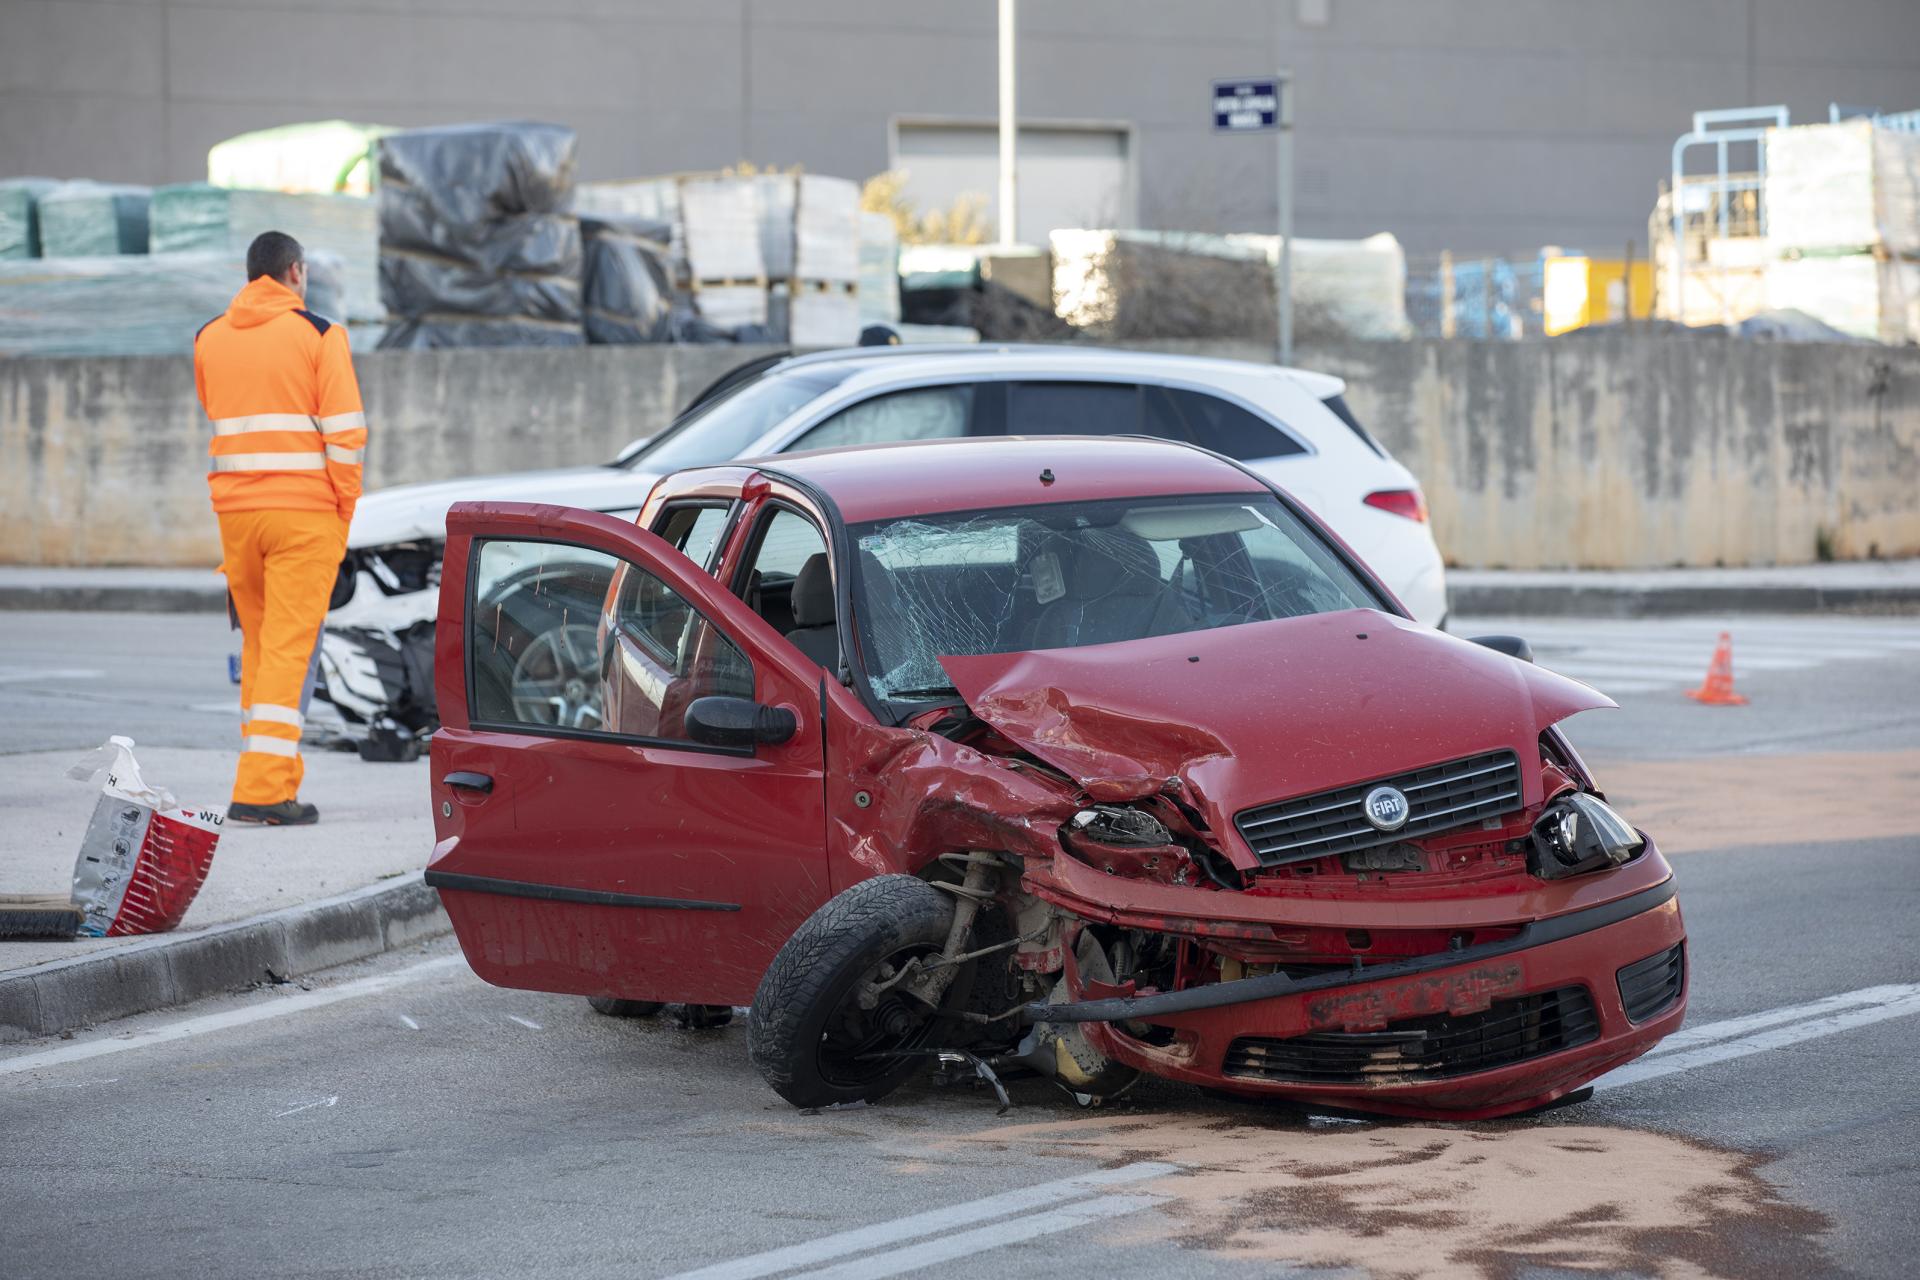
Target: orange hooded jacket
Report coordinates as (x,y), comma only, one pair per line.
(288,430)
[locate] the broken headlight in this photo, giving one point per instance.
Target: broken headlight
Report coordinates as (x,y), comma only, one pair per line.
(1579,833)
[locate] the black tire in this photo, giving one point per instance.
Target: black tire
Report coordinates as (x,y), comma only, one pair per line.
(384,746)
(615,1007)
(705,1017)
(804,1032)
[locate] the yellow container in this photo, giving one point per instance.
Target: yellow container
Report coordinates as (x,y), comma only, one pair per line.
(1578,291)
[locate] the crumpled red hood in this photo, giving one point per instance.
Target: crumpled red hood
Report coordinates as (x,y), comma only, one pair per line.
(1250,714)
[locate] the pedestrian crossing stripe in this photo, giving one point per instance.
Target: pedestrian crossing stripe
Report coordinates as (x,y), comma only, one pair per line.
(1643,655)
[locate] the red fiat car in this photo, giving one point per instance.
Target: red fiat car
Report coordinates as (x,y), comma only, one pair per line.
(1092,757)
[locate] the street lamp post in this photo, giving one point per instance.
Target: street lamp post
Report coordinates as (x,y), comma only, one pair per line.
(1009,129)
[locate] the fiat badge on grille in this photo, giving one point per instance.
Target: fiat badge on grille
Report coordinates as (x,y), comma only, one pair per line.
(1386,808)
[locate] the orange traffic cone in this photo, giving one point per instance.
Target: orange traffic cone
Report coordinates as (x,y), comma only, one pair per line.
(1717,691)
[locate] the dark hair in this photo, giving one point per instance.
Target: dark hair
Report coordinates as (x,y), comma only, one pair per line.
(273,253)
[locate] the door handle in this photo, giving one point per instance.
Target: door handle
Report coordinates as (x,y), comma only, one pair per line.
(469,781)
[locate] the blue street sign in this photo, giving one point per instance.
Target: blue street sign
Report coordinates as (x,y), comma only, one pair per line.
(1246,106)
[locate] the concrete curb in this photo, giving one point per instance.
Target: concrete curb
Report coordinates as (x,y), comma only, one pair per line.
(83,597)
(1579,600)
(174,968)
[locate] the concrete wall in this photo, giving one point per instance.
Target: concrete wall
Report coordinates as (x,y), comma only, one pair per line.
(1612,452)
(1467,124)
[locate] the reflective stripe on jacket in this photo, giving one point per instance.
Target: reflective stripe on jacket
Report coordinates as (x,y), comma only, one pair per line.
(277,381)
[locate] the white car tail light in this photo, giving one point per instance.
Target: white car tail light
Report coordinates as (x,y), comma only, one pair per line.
(1401,502)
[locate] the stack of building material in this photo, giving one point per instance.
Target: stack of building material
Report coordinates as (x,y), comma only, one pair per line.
(200,218)
(20,216)
(476,246)
(627,290)
(726,265)
(1843,227)
(757,256)
(115,305)
(89,219)
(825,306)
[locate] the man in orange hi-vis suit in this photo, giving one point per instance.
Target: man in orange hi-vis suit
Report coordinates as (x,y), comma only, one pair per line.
(288,435)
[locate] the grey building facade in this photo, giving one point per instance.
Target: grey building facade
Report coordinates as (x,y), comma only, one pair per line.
(1476,125)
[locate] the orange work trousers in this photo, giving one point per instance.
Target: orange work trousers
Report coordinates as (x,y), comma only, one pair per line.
(280,567)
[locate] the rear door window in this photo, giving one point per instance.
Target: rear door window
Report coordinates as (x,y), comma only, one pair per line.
(1074,409)
(1195,417)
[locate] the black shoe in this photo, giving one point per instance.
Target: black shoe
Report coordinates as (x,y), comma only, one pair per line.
(288,813)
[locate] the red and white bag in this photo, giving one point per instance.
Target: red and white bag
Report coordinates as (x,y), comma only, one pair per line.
(143,858)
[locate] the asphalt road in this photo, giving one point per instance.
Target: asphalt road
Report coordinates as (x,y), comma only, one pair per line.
(405,1119)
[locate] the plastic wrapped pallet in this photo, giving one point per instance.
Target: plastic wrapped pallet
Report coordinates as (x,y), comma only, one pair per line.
(89,219)
(1150,284)
(199,217)
(731,306)
(471,174)
(626,292)
(879,270)
(476,246)
(1344,288)
(1847,186)
(530,266)
(116,305)
(20,216)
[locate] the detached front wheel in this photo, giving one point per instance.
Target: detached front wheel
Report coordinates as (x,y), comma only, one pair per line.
(826,1025)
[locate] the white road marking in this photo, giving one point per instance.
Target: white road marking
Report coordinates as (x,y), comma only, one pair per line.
(24,675)
(273,1006)
(933,1221)
(1729,1028)
(970,1243)
(528,1023)
(410,1024)
(308,1106)
(1652,1068)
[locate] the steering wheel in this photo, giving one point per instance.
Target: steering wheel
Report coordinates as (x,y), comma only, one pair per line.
(556,679)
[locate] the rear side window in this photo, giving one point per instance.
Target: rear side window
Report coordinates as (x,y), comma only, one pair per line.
(1338,404)
(1216,424)
(1074,409)
(694,531)
(924,413)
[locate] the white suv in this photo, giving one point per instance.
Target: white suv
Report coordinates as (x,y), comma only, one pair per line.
(1289,425)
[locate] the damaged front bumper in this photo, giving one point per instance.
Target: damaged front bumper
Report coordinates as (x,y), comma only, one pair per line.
(1475,1032)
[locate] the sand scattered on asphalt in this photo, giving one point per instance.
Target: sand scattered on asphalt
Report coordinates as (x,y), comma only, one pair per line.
(1418,1200)
(1721,802)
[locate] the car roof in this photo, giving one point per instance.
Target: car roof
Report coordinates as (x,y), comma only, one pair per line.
(960,359)
(886,481)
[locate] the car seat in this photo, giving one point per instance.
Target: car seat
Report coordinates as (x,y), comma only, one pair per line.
(815,632)
(1114,592)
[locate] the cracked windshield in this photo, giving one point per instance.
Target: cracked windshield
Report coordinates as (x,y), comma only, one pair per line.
(1081,573)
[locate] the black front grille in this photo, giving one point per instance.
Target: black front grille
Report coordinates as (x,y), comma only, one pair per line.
(1439,798)
(1652,985)
(1431,1048)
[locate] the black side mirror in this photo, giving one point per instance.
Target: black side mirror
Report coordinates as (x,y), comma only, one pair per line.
(738,722)
(1512,646)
